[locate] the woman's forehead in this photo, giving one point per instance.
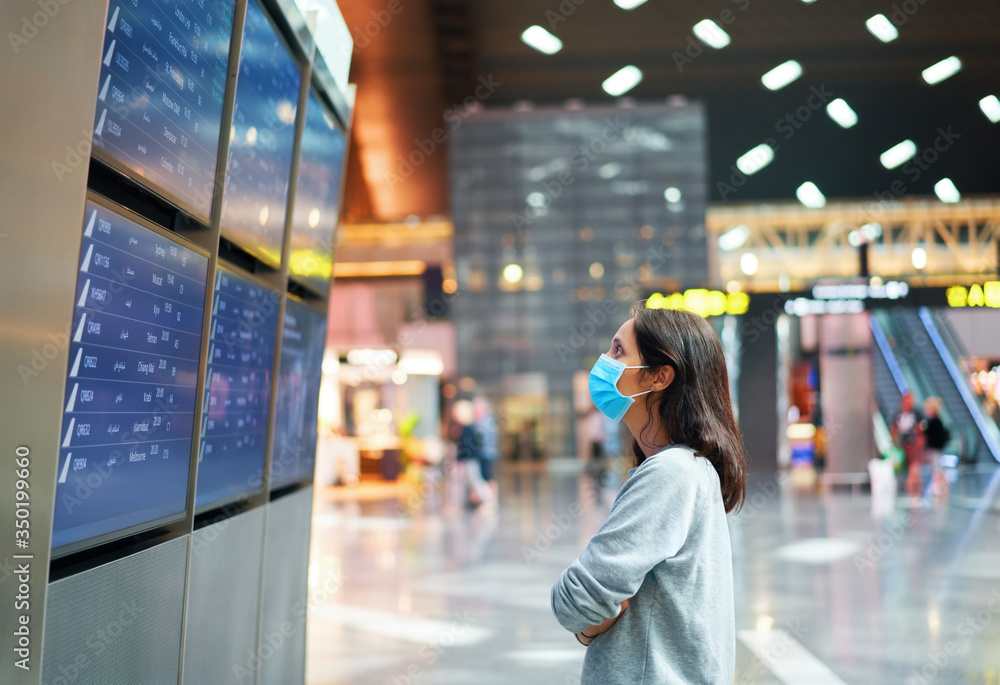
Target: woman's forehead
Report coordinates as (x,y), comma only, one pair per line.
(626,332)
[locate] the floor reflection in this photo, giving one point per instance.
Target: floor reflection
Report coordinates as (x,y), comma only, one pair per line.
(406,589)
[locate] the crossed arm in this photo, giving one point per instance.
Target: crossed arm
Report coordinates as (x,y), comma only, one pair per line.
(586,636)
(648,523)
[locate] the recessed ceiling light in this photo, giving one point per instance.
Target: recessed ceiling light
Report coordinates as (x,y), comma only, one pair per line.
(898,154)
(991,107)
(946,191)
(672,194)
(882,28)
(810,195)
(782,75)
(711,34)
(541,40)
(622,81)
(939,72)
(842,113)
(629,4)
(756,159)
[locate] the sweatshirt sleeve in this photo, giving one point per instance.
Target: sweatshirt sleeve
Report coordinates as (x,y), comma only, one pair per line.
(648,523)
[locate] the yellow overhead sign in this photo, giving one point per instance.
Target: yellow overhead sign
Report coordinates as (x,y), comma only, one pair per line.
(986,295)
(702,302)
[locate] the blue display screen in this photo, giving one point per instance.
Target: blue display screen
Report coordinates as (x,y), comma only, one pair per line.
(133,370)
(238,390)
(159,103)
(293,455)
(317,197)
(261,140)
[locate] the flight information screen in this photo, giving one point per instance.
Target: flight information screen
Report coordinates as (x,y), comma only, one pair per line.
(261,140)
(238,390)
(317,197)
(293,455)
(159,103)
(133,369)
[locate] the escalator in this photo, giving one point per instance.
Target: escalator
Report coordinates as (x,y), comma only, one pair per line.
(890,384)
(917,354)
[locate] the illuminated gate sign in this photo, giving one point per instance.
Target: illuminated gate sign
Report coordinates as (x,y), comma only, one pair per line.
(703,302)
(986,295)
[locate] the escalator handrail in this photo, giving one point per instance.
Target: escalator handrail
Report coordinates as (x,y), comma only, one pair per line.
(887,354)
(963,389)
(951,341)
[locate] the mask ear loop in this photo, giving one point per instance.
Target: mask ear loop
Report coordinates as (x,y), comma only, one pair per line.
(670,363)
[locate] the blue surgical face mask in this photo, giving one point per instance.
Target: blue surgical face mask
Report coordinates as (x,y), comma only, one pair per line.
(604,387)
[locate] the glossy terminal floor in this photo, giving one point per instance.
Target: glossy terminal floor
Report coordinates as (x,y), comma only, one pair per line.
(407,589)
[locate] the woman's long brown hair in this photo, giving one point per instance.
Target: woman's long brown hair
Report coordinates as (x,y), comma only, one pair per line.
(695,409)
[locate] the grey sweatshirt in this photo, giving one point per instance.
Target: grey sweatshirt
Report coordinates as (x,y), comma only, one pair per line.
(665,547)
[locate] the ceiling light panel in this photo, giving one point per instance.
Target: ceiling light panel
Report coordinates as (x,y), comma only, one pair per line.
(882,28)
(622,81)
(541,40)
(898,154)
(711,34)
(841,112)
(782,75)
(944,69)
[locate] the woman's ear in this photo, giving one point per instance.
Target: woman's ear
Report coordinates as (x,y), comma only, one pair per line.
(664,377)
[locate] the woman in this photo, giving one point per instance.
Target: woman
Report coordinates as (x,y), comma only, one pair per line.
(652,594)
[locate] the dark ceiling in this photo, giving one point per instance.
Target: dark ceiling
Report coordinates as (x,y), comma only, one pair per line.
(431,54)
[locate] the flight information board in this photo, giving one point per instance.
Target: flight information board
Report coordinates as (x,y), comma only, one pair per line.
(317,197)
(159,103)
(293,455)
(261,140)
(238,390)
(133,369)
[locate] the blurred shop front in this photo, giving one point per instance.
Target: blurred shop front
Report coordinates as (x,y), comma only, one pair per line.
(389,351)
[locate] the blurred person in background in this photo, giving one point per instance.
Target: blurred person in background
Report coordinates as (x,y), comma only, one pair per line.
(936,436)
(468,454)
(597,465)
(652,594)
(489,438)
(907,434)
